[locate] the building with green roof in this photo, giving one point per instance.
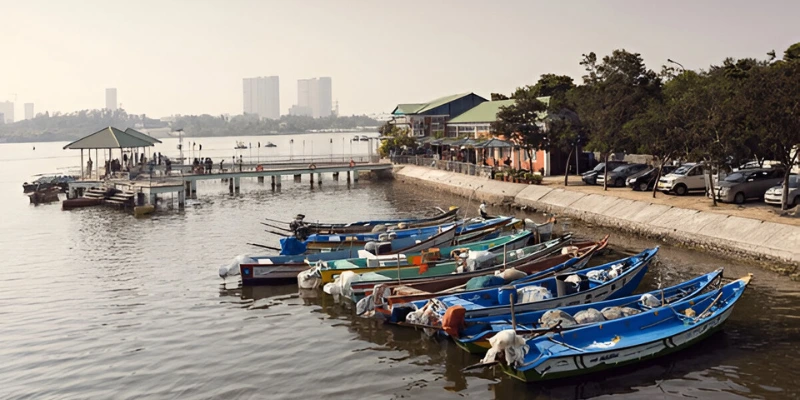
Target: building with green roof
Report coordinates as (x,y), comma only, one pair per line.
(428,119)
(477,122)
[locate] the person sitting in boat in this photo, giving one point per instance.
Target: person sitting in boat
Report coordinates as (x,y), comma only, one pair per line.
(482,209)
(299,227)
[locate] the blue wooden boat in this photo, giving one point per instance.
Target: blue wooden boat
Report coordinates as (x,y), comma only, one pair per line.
(475,334)
(629,340)
(293,246)
(497,301)
(367,226)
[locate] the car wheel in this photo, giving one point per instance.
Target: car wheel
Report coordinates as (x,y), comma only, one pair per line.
(739,198)
(681,190)
(619,182)
(643,186)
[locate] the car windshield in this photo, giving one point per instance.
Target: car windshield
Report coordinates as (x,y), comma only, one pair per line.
(683,170)
(620,168)
(599,167)
(735,177)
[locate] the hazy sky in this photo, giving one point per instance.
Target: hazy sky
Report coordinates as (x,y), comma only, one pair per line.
(189,57)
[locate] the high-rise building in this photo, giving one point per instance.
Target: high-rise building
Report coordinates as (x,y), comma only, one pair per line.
(262,96)
(2,118)
(29,111)
(111,99)
(316,94)
(7,109)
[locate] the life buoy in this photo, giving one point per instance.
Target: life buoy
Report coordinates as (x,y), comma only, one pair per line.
(352,163)
(312,166)
(259,167)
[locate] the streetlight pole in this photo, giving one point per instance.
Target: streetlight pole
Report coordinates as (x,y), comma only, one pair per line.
(291,142)
(669,60)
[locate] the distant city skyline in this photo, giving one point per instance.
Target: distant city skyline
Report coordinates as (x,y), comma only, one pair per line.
(7,109)
(29,112)
(192,58)
(261,96)
(314,97)
(111,99)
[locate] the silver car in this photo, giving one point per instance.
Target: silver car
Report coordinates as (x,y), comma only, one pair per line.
(774,194)
(743,185)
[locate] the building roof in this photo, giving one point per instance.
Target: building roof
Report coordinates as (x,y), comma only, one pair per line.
(108,138)
(441,101)
(142,136)
(419,108)
(487,111)
(410,108)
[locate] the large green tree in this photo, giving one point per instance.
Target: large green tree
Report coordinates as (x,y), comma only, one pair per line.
(522,121)
(615,90)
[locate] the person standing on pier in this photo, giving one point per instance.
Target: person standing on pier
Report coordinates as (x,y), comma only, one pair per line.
(240,163)
(89,167)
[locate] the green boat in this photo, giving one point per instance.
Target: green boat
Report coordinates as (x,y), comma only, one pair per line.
(328,270)
(368,280)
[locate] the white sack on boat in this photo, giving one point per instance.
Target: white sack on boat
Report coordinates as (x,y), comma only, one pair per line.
(589,316)
(574,279)
(511,344)
(610,313)
(308,279)
(597,275)
(551,318)
(341,286)
(569,249)
(530,294)
(232,269)
(649,300)
(479,260)
(510,274)
(615,271)
(628,311)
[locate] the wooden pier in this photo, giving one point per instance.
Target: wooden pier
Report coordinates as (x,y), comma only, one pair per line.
(146,188)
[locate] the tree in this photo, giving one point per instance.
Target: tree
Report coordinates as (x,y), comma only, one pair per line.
(792,53)
(522,121)
(773,99)
(499,96)
(396,139)
(613,93)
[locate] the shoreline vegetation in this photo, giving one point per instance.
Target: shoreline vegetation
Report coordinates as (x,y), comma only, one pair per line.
(72,126)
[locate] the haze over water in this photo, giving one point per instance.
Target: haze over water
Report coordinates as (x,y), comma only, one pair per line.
(97,304)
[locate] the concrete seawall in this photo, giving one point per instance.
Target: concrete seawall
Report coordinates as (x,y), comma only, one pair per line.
(761,240)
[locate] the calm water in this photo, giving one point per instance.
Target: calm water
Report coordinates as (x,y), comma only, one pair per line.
(98,304)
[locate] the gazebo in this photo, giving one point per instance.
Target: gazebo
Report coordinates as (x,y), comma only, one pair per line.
(109,138)
(493,143)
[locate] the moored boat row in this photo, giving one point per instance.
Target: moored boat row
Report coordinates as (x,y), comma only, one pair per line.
(537,306)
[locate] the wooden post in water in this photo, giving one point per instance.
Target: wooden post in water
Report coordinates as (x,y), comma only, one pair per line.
(348,176)
(273,182)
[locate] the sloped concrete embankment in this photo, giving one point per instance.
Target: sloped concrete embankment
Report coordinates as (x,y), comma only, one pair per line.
(729,234)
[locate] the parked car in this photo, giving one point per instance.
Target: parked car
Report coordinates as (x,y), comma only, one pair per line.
(617,176)
(590,177)
(747,184)
(774,194)
(646,179)
(688,177)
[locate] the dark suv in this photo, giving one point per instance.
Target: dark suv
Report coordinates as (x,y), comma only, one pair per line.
(590,177)
(617,176)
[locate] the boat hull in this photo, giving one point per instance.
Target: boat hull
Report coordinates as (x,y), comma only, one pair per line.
(571,366)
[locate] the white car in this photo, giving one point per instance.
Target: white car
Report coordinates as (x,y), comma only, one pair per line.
(774,194)
(689,177)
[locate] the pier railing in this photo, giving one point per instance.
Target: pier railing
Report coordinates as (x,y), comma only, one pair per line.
(444,165)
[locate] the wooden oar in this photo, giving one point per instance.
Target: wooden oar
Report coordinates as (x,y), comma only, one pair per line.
(275,220)
(276,227)
(264,246)
(275,233)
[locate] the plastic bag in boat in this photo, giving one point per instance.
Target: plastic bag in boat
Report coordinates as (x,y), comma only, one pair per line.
(597,275)
(589,316)
(529,294)
(365,307)
(513,346)
(628,311)
(309,279)
(551,318)
(232,269)
(341,286)
(615,271)
(379,228)
(649,300)
(610,313)
(485,281)
(479,260)
(424,316)
(510,274)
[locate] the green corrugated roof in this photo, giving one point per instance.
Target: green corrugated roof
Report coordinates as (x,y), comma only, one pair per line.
(108,138)
(441,101)
(141,135)
(407,108)
(487,111)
